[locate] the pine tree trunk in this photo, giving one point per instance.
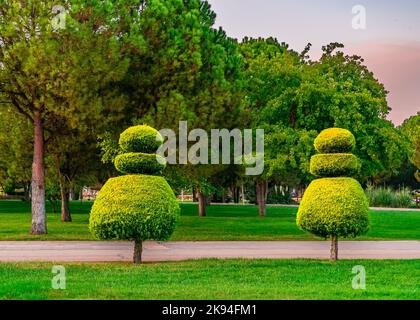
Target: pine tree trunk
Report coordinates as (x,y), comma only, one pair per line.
(39,221)
(201,204)
(261,190)
(138,250)
(334,248)
(65,208)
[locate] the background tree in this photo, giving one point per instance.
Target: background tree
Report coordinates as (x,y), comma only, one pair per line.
(411,130)
(274,75)
(181,69)
(55,78)
(15,150)
(294,98)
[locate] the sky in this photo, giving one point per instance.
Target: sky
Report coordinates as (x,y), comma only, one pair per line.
(389,40)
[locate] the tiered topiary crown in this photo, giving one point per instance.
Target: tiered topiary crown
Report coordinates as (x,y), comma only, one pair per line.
(139,205)
(335,158)
(140,144)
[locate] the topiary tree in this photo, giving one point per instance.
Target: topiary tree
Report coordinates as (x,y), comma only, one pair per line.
(139,205)
(334,205)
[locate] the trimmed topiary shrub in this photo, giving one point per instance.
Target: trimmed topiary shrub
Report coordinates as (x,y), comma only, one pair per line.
(136,206)
(334,165)
(140,139)
(335,140)
(136,162)
(334,206)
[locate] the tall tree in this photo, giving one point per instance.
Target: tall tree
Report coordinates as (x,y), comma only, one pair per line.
(57,77)
(411,130)
(183,69)
(274,75)
(290,94)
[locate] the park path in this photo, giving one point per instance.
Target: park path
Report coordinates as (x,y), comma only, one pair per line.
(100,251)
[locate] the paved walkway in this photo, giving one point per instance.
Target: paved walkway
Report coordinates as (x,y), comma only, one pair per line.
(98,251)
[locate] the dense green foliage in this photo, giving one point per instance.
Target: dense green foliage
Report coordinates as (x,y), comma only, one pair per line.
(289,93)
(411,129)
(134,207)
(334,206)
(334,165)
(335,140)
(138,206)
(143,138)
(15,151)
(136,162)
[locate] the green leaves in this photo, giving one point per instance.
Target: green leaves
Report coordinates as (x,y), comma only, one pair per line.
(285,90)
(134,207)
(334,206)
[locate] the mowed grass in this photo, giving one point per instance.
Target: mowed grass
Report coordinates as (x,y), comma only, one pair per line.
(214,279)
(222,223)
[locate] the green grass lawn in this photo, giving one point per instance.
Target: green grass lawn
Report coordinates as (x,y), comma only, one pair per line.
(222,223)
(214,279)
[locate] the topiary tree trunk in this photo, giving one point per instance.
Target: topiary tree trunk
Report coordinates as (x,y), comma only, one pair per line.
(138,250)
(334,248)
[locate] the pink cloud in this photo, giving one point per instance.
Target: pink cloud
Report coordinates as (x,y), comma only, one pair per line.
(397,66)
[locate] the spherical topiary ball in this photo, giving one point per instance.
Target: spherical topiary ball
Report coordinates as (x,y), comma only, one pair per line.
(334,206)
(134,207)
(140,139)
(335,140)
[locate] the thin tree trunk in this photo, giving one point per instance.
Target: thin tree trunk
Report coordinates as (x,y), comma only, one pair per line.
(39,221)
(235,194)
(138,250)
(194,193)
(72,194)
(243,193)
(201,204)
(53,207)
(65,208)
(261,190)
(26,189)
(334,248)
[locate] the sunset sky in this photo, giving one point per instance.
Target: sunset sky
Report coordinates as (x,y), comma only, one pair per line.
(390,43)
